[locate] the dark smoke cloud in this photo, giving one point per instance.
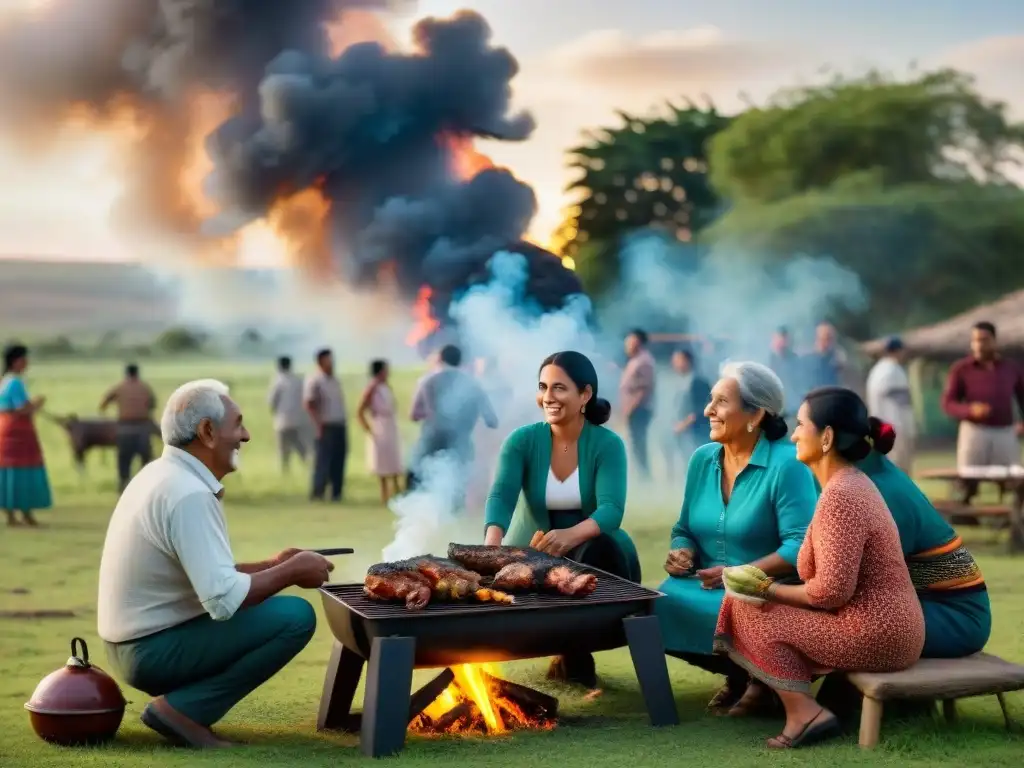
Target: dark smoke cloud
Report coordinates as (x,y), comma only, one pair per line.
(366,125)
(367,128)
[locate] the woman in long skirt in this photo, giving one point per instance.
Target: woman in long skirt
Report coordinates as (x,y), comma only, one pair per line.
(383,445)
(24,486)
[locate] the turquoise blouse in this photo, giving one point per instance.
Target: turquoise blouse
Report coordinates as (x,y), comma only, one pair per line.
(772,503)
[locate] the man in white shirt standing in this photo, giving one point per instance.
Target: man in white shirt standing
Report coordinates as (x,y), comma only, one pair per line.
(182,621)
(888,395)
(291,422)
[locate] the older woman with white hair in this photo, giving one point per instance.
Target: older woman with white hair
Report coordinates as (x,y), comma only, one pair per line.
(747,500)
(182,621)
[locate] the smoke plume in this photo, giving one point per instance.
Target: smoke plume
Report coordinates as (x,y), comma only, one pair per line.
(500,322)
(252,88)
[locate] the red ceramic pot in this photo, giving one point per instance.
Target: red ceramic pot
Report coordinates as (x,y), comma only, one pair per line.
(77,704)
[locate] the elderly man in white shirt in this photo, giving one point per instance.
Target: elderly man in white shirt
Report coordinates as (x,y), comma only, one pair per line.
(182,621)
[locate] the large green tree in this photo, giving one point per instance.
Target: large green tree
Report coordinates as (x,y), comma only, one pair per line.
(646,172)
(902,181)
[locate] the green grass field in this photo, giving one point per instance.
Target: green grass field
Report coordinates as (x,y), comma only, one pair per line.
(55,568)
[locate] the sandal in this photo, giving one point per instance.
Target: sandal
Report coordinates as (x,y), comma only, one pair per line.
(724,699)
(765,703)
(812,733)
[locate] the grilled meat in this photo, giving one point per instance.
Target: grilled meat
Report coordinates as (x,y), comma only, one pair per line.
(523,569)
(398,581)
(420,579)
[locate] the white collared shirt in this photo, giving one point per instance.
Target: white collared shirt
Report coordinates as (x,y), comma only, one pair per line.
(167,558)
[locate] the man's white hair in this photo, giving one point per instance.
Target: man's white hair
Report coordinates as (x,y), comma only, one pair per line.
(759,386)
(187,406)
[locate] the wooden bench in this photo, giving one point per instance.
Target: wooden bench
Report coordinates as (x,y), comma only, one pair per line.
(943,679)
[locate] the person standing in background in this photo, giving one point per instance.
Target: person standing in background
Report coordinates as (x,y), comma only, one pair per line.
(636,388)
(291,423)
(24,484)
(325,403)
(826,364)
(690,426)
(135,402)
(889,399)
(979,394)
(449,403)
(383,445)
(787,366)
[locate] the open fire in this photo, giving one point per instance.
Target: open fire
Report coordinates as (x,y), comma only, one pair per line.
(478,701)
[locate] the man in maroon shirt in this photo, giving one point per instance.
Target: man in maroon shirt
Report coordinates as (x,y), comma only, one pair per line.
(979,393)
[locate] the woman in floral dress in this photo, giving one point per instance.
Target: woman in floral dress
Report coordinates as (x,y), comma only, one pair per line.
(383,445)
(856,609)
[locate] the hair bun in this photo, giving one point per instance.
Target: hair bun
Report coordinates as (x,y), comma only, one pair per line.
(882,434)
(598,411)
(774,427)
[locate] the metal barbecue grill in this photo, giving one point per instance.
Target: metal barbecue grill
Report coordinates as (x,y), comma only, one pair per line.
(395,641)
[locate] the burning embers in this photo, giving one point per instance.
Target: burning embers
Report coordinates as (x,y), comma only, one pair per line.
(478,701)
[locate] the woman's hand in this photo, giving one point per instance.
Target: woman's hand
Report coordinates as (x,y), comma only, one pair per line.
(747,580)
(679,562)
(493,536)
(38,402)
(558,541)
(711,578)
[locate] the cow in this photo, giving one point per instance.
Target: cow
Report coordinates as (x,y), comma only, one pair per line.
(86,434)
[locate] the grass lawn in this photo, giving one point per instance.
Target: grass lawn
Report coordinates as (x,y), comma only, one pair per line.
(56,568)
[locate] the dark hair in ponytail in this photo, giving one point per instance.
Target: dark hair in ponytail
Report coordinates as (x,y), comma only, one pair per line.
(883,436)
(578,367)
(856,433)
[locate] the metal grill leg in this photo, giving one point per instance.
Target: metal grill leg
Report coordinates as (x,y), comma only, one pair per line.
(340,683)
(386,699)
(643,633)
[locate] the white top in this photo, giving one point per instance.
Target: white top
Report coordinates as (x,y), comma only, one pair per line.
(285,400)
(888,396)
(166,558)
(565,495)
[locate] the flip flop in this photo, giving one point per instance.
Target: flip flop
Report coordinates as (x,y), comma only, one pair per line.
(812,733)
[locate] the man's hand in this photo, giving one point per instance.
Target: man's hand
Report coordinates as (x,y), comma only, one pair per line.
(979,410)
(557,542)
(711,578)
(679,562)
(285,555)
(1020,429)
(309,570)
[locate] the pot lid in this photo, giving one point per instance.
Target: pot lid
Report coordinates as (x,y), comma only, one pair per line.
(78,688)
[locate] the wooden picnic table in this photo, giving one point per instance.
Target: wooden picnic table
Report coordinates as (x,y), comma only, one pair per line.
(1007,478)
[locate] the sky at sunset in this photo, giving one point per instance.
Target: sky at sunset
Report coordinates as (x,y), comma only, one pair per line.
(580,60)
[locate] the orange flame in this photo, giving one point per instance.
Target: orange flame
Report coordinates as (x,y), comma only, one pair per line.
(465,161)
(423,315)
(490,712)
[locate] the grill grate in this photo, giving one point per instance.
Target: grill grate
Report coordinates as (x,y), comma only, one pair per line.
(610,589)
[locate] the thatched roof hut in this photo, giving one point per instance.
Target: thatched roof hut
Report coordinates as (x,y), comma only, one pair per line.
(950,338)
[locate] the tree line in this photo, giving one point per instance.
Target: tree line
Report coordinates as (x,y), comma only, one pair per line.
(903,181)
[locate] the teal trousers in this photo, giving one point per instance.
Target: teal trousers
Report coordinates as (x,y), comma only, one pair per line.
(204,667)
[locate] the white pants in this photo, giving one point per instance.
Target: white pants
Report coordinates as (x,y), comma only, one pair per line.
(980,446)
(902,453)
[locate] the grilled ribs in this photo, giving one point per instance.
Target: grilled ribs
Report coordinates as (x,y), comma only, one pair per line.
(520,569)
(419,579)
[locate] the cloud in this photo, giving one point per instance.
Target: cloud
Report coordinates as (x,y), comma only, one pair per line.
(669,60)
(997,62)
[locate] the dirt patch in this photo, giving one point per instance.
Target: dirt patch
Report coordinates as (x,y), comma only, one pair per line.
(38,615)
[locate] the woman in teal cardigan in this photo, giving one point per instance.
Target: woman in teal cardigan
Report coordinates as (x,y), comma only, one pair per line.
(571,472)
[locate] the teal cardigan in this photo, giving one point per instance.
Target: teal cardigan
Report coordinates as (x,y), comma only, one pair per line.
(523,467)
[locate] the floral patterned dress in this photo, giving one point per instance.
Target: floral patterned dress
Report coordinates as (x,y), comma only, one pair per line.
(865,616)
